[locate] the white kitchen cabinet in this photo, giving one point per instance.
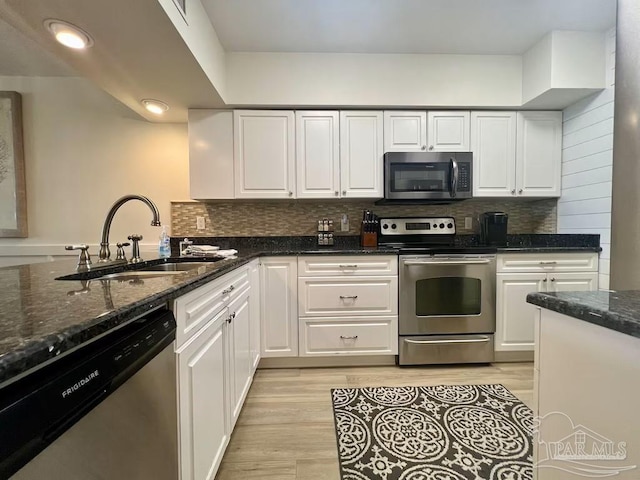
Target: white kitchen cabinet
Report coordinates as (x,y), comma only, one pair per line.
(582,368)
(516,154)
(348,305)
(493,143)
(539,154)
(317,154)
(361,152)
(264,153)
(254,331)
(210,154)
(240,352)
(521,274)
(279,307)
(204,400)
(448,131)
(405,131)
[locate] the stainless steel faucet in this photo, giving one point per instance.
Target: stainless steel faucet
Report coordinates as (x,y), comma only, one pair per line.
(105,254)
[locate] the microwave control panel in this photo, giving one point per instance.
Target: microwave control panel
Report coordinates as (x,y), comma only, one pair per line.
(464,177)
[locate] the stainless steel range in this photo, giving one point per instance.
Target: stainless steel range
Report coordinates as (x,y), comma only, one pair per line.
(447,293)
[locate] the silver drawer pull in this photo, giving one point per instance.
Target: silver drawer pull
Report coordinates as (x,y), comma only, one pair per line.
(354,337)
(448,262)
(548,263)
(348,297)
(228,290)
(347,266)
(456,340)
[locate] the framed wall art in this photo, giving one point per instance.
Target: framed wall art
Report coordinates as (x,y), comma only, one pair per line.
(13,194)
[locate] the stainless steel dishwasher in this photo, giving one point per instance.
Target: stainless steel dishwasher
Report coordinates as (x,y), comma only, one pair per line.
(106,411)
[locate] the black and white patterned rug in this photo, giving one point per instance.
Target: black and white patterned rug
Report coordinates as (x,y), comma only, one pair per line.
(446,432)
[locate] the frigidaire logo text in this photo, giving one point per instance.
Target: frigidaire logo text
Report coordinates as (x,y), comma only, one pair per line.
(81,383)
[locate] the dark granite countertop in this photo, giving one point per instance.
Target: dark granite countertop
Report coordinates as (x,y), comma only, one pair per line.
(618,311)
(42,318)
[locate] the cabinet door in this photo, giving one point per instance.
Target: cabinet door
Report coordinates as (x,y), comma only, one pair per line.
(279,307)
(448,131)
(493,143)
(539,154)
(254,312)
(361,151)
(203,406)
(240,352)
(405,131)
(210,154)
(317,154)
(264,154)
(572,282)
(514,316)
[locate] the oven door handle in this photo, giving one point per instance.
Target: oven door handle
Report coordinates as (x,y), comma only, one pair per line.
(412,263)
(455,340)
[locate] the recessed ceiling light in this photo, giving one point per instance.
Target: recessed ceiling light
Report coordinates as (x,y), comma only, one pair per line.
(68,35)
(155,106)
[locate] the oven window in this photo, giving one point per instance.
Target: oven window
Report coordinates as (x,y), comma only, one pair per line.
(448,296)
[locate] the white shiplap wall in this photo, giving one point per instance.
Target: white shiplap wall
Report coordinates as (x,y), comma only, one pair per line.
(587,160)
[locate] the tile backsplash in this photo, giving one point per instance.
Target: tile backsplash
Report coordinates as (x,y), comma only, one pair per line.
(247,218)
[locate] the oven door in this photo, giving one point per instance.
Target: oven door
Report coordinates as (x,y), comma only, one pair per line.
(447,294)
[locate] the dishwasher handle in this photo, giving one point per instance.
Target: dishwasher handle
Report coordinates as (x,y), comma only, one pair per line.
(482,339)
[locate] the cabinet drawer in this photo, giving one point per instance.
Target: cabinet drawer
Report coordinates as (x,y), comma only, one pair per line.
(340,296)
(347,265)
(348,336)
(196,308)
(547,262)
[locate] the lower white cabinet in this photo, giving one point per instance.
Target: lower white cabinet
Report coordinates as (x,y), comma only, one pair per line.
(215,367)
(540,273)
(344,309)
(279,307)
(203,395)
(254,328)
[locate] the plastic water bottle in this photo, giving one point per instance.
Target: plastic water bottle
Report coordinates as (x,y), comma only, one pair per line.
(164,245)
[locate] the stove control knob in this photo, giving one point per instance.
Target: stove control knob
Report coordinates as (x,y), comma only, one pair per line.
(393,226)
(449,225)
(385,226)
(442,225)
(435,225)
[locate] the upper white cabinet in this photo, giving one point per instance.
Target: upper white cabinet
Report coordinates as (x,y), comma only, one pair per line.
(361,151)
(435,131)
(317,154)
(493,143)
(264,153)
(448,131)
(539,154)
(516,154)
(211,154)
(405,131)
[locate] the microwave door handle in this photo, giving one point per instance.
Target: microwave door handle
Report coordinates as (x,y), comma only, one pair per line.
(454,177)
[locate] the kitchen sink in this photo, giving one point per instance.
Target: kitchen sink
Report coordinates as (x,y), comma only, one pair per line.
(137,272)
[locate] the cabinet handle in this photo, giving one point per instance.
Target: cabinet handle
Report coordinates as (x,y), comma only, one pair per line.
(344,192)
(520,192)
(424,147)
(290,193)
(353,337)
(348,266)
(553,279)
(545,280)
(430,147)
(348,297)
(231,317)
(337,193)
(513,192)
(228,290)
(548,263)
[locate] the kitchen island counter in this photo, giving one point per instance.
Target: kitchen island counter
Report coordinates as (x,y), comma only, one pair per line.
(615,310)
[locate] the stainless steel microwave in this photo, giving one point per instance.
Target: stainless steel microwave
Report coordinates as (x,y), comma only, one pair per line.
(427,175)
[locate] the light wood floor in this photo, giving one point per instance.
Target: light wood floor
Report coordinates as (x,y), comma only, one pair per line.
(286,431)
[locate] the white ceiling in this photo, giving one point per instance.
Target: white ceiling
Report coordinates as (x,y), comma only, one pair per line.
(400,26)
(19,55)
